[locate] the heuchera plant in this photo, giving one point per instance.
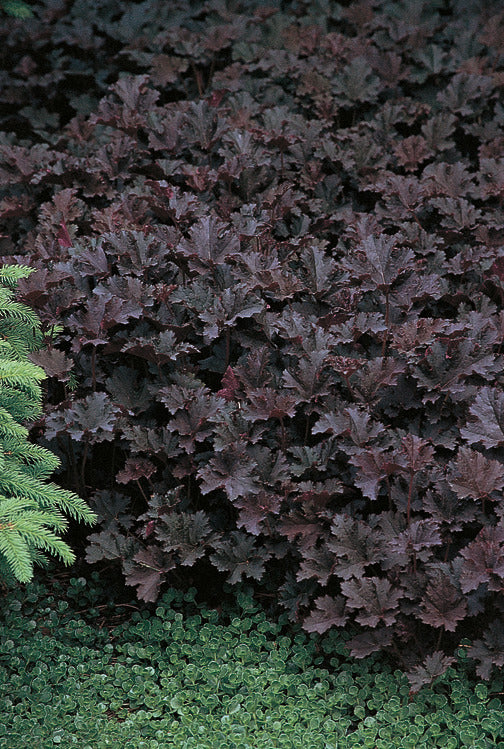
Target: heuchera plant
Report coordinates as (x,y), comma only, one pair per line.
(274,239)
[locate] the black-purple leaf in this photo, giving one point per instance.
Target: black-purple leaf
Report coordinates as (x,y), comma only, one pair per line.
(147,571)
(417,539)
(377,262)
(54,363)
(227,308)
(329,612)
(269,403)
(110,543)
(255,508)
(355,546)
(373,465)
(210,242)
(231,470)
(447,509)
(419,453)
(317,563)
(484,560)
(352,422)
(187,534)
(375,599)
(489,651)
(423,675)
(193,423)
(319,268)
(486,424)
(93,418)
(442,604)
(372,641)
(125,391)
(240,556)
(475,476)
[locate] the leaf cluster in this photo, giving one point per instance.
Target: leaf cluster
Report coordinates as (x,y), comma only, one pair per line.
(31,509)
(273,237)
(189,675)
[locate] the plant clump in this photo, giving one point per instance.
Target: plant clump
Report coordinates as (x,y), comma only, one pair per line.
(188,676)
(273,237)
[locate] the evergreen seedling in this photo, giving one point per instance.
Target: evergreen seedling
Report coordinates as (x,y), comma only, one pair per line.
(31,509)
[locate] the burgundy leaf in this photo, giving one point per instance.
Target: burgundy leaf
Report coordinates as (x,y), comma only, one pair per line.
(484,560)
(134,469)
(255,508)
(230,385)
(373,466)
(148,571)
(317,563)
(489,651)
(475,476)
(374,598)
(486,424)
(442,605)
(240,556)
(423,675)
(329,612)
(63,237)
(372,641)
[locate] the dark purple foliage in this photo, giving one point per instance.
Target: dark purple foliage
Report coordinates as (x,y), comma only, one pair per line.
(274,240)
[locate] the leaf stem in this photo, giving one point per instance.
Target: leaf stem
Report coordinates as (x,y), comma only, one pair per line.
(93,367)
(387,320)
(83,464)
(410,494)
(284,436)
(307,429)
(228,347)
